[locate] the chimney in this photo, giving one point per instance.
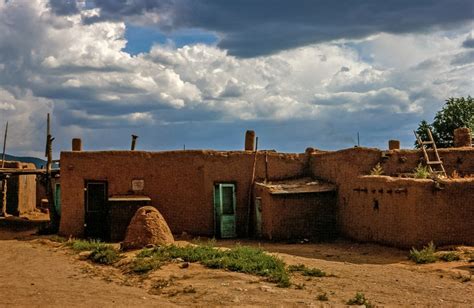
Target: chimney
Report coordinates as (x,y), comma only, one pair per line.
(76,144)
(250,140)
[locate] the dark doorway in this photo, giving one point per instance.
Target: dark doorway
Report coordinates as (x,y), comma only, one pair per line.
(96,210)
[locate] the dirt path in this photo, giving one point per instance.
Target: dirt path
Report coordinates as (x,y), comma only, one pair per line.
(37,272)
(34,275)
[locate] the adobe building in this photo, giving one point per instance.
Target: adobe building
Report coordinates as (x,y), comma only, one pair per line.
(21,189)
(314,195)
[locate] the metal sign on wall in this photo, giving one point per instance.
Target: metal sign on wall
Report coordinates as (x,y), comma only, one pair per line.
(138,185)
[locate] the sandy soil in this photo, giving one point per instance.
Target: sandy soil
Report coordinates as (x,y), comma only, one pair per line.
(38,272)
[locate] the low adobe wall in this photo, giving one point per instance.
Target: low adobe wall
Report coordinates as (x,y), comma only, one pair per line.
(179,183)
(298,216)
(345,164)
(407,212)
(404,219)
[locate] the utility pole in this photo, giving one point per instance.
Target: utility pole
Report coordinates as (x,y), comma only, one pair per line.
(3,210)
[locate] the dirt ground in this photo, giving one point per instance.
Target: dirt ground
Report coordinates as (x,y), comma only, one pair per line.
(36,271)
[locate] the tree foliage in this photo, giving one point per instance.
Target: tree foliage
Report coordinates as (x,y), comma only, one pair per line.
(456,113)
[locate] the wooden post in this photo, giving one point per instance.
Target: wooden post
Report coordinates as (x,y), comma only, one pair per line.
(3,210)
(249,203)
(134,142)
(4,145)
(53,214)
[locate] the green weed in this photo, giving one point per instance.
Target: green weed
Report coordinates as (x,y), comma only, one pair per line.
(377,170)
(426,255)
(449,256)
(104,255)
(421,172)
(359,299)
(144,265)
(86,245)
(306,271)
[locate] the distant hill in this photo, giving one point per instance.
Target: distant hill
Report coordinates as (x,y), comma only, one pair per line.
(37,161)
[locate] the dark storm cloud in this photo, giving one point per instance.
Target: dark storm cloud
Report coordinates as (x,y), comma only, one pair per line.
(257,27)
(468,43)
(64,7)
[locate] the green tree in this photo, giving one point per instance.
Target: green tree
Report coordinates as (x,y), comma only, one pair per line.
(456,113)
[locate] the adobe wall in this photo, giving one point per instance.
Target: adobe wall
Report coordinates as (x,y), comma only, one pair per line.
(21,190)
(339,165)
(403,219)
(407,212)
(180,183)
(297,216)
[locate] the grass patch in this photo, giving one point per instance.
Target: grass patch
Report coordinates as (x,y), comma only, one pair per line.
(359,299)
(86,245)
(450,256)
(104,255)
(144,265)
(306,271)
(238,259)
(101,252)
(425,255)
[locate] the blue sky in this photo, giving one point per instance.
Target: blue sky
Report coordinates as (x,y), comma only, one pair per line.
(140,39)
(300,73)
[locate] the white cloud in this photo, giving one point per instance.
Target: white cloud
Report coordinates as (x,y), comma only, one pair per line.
(56,63)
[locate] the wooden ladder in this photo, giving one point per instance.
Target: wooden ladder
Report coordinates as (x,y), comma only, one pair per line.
(434,166)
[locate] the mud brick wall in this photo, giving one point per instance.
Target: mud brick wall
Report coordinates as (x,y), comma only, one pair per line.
(407,212)
(179,183)
(298,216)
(403,219)
(339,165)
(21,190)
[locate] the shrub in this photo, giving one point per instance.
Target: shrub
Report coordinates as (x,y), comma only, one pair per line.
(422,172)
(449,256)
(306,271)
(377,170)
(426,255)
(144,265)
(104,255)
(359,299)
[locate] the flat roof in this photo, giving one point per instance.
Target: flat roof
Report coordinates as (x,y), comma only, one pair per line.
(298,186)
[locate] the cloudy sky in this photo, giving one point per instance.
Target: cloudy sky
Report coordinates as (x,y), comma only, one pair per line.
(301,73)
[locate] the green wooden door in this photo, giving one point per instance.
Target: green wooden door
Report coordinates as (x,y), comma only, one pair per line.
(57,198)
(224,205)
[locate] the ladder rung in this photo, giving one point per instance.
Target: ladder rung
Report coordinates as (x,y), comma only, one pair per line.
(427,142)
(434,162)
